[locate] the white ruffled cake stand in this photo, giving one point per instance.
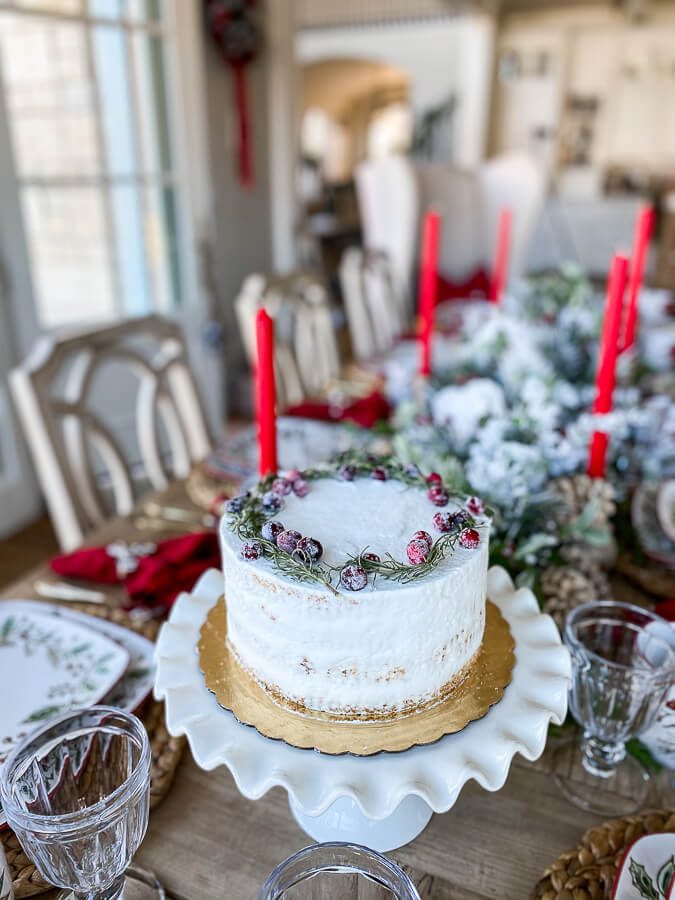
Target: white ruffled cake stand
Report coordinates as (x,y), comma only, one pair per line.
(384,800)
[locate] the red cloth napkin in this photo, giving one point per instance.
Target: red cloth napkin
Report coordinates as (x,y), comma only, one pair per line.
(366,411)
(478,285)
(174,567)
(666,608)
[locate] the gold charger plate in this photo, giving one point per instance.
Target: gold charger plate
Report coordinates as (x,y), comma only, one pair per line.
(237,691)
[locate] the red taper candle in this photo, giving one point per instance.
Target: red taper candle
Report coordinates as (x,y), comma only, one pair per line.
(266,395)
(643,232)
(428,287)
(609,350)
(500,266)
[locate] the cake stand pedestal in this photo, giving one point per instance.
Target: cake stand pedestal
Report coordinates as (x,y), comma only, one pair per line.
(344,821)
(384,800)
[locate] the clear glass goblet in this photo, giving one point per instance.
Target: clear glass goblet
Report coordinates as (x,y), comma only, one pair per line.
(622,668)
(337,871)
(76,793)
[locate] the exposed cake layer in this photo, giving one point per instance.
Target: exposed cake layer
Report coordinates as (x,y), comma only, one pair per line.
(387,648)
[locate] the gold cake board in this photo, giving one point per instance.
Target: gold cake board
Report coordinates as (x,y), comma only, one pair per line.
(482,686)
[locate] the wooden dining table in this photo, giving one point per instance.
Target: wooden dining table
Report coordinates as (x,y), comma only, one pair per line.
(206,841)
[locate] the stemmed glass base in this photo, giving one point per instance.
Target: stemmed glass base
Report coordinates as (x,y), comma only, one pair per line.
(601,779)
(135,884)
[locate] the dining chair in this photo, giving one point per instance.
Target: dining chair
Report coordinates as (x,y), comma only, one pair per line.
(456,195)
(107,412)
(515,181)
(389,205)
(306,352)
(374,315)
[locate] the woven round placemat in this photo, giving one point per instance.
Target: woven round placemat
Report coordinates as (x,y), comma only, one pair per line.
(166,755)
(587,872)
(652,578)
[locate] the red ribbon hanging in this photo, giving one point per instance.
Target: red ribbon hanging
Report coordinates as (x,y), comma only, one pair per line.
(245,156)
(234,28)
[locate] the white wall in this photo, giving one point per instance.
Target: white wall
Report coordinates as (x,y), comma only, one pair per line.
(442,57)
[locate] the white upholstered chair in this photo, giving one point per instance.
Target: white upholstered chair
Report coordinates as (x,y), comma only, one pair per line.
(395,192)
(457,196)
(105,412)
(389,205)
(516,181)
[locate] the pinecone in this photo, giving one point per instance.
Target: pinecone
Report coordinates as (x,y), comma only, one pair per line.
(578,490)
(585,560)
(564,588)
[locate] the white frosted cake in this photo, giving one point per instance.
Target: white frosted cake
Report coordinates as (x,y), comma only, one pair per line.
(378,611)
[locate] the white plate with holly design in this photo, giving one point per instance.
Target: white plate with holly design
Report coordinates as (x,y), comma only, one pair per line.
(49,665)
(647,870)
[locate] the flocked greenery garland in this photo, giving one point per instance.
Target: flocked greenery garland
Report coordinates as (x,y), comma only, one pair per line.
(248,520)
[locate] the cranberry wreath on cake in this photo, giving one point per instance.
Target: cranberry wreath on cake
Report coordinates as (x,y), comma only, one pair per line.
(357,588)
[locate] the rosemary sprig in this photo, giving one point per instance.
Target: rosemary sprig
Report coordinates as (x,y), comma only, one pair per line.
(248,526)
(404,573)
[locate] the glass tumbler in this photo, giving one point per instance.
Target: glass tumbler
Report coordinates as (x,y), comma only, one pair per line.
(337,871)
(76,793)
(622,669)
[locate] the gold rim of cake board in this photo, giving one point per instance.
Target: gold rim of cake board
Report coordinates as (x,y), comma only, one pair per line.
(483,685)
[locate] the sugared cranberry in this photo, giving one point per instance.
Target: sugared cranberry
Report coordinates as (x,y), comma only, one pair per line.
(379,474)
(438,495)
(300,487)
(293,475)
(434,478)
(475,506)
(424,536)
(353,578)
(443,521)
(347,472)
(311,548)
(271,502)
(371,557)
(252,550)
(448,521)
(271,531)
(418,551)
(282,486)
(236,504)
(288,540)
(469,539)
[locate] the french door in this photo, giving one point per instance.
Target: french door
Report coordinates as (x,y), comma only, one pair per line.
(102,155)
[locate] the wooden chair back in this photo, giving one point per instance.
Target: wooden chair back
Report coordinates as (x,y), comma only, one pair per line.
(71,439)
(374,315)
(306,352)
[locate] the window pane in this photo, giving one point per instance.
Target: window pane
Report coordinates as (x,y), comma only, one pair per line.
(131,255)
(106,9)
(162,235)
(67,237)
(110,54)
(49,92)
(63,6)
(145,10)
(154,120)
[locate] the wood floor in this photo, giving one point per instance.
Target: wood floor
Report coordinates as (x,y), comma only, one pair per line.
(26,549)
